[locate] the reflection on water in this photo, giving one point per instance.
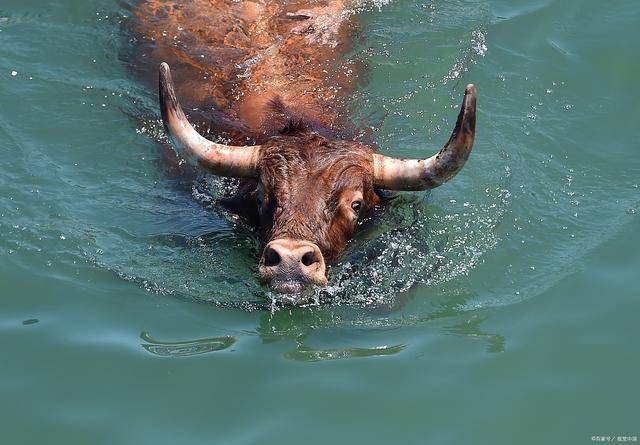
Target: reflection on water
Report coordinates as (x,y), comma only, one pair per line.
(187,347)
(306,354)
(471,329)
(306,326)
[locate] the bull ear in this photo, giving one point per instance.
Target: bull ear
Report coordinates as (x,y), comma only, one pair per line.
(223,160)
(420,174)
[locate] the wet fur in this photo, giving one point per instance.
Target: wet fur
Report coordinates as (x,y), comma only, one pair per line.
(304,171)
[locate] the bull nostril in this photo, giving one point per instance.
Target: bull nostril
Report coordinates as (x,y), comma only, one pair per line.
(271,257)
(310,258)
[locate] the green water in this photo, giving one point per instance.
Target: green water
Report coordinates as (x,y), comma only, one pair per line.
(501,308)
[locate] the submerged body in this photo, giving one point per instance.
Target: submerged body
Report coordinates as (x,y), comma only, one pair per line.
(269,77)
(236,56)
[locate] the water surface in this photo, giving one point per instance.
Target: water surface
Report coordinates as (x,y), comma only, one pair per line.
(501,307)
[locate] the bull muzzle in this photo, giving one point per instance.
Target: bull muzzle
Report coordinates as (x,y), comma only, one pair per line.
(289,266)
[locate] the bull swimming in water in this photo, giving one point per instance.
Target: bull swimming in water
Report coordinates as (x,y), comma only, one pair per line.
(269,77)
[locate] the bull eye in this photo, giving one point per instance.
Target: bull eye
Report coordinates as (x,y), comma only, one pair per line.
(356,206)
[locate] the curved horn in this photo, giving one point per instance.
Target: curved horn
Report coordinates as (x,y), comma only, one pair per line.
(223,160)
(420,174)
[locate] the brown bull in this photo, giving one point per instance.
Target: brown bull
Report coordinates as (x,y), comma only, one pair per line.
(270,77)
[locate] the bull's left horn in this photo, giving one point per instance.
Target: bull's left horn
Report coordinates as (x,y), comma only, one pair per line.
(223,160)
(420,174)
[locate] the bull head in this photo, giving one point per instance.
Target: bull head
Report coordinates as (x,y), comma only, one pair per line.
(309,190)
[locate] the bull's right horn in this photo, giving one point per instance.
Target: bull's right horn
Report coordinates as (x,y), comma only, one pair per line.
(223,160)
(420,174)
